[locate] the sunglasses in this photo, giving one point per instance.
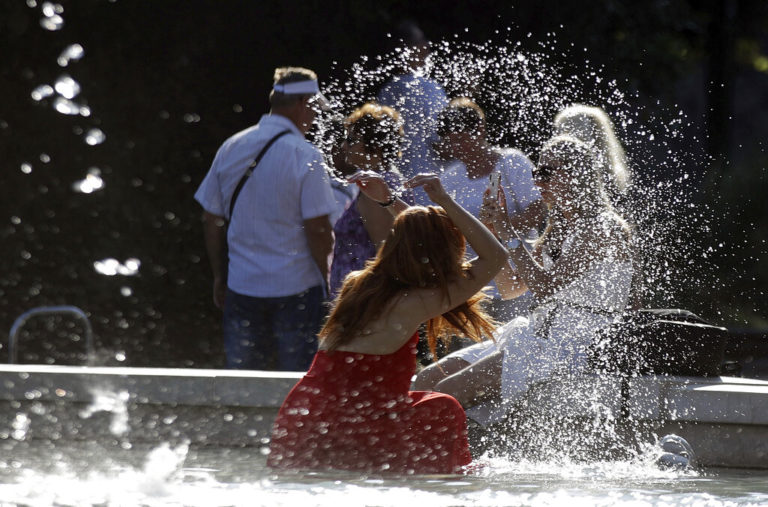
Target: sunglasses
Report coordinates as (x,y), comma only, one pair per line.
(543,173)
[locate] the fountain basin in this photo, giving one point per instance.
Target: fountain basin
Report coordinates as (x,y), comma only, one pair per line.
(724,418)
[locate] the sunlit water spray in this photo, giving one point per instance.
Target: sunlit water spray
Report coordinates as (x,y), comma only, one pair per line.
(521,91)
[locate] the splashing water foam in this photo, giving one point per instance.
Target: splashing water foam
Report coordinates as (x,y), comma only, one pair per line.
(521,91)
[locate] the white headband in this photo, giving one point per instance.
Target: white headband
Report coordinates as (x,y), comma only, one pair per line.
(308,87)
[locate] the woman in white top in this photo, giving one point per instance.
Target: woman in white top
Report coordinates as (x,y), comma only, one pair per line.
(579,270)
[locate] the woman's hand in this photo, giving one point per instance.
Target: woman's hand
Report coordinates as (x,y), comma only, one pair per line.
(432,186)
(493,213)
(372,185)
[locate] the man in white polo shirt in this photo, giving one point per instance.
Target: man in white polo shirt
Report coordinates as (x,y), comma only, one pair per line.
(273,284)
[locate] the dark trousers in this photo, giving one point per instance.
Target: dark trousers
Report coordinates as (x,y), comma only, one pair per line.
(272,333)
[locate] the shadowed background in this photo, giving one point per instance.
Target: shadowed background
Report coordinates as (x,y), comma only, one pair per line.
(168,81)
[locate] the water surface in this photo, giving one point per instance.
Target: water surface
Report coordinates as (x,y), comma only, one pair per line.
(93,473)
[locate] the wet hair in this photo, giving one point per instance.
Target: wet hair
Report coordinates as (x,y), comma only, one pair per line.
(380,128)
(423,249)
(460,115)
(289,75)
(592,125)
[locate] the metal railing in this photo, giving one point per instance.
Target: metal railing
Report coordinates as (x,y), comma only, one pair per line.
(73,311)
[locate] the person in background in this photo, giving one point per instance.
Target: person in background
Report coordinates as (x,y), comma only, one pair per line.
(353,409)
(463,142)
(270,264)
(591,125)
(417,98)
(332,137)
(580,271)
(373,141)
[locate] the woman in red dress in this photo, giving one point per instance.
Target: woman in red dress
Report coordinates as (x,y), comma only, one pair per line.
(353,410)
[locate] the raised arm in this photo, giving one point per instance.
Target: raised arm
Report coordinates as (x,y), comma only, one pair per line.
(491,255)
(593,240)
(374,186)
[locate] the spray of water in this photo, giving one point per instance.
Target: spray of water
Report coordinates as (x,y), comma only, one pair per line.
(521,92)
(115,403)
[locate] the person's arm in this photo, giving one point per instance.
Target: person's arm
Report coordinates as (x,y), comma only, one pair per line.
(319,235)
(530,218)
(591,241)
(375,187)
(540,281)
(377,220)
(491,255)
(215,233)
(509,283)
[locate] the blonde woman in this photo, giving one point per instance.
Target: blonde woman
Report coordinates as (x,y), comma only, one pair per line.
(580,272)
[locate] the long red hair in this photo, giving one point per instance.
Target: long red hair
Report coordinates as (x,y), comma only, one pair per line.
(423,249)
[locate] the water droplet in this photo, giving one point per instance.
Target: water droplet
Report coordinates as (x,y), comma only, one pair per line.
(65,106)
(52,23)
(67,87)
(91,183)
(94,137)
(71,53)
(112,267)
(42,92)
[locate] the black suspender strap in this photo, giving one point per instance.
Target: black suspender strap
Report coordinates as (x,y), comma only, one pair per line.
(250,169)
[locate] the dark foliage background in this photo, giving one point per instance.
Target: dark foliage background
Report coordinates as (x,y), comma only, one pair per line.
(168,81)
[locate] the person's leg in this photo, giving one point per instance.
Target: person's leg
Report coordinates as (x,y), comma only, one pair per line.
(480,380)
(504,310)
(247,331)
(427,379)
(297,322)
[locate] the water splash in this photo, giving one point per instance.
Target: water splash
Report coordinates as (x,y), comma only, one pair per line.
(521,91)
(116,403)
(163,466)
(20,426)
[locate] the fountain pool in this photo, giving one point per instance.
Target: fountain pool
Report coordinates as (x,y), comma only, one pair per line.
(148,436)
(92,473)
